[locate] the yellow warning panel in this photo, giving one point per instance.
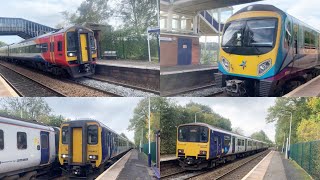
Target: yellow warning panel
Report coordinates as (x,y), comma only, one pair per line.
(84,47)
(77,145)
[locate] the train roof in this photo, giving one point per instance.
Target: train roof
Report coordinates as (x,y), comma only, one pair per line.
(62,30)
(261,7)
(93,120)
(220,130)
(272,8)
(23,122)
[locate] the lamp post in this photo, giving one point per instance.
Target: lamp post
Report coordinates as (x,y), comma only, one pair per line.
(149,154)
(289,141)
(195,116)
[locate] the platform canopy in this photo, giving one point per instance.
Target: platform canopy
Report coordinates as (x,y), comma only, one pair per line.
(191,7)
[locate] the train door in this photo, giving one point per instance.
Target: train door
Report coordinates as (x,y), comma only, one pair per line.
(245,144)
(184,51)
(44,148)
(233,144)
(77,145)
(84,47)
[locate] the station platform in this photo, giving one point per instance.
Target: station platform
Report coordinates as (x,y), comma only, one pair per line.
(309,89)
(6,90)
(176,78)
(131,72)
(168,157)
(274,166)
(133,165)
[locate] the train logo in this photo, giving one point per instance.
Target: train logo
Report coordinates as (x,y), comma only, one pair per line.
(243,64)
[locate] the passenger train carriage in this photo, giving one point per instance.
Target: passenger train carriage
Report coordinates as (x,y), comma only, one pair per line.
(201,146)
(26,148)
(72,50)
(266,52)
(87,145)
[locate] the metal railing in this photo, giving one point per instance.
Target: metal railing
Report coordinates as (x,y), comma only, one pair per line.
(307,155)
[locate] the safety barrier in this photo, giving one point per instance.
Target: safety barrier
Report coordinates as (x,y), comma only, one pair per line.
(307,155)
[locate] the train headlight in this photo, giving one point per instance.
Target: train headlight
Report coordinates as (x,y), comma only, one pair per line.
(264,67)
(64,155)
(71,54)
(180,151)
(225,63)
(203,152)
(93,157)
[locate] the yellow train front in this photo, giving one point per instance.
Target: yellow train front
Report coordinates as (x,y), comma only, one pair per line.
(266,52)
(86,146)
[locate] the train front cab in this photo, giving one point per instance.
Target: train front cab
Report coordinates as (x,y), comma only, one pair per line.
(80,146)
(81,51)
(193,146)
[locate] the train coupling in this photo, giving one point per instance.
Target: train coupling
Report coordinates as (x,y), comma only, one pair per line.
(236,87)
(87,67)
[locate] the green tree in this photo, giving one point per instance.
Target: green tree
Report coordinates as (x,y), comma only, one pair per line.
(139,121)
(308,130)
(94,11)
(279,114)
(261,136)
(2,44)
(238,130)
(138,15)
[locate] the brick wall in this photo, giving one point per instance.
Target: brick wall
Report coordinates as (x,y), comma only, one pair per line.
(169,50)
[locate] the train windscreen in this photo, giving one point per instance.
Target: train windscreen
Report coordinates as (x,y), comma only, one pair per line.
(250,37)
(193,134)
(71,41)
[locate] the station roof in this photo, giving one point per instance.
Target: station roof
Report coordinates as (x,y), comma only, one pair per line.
(191,7)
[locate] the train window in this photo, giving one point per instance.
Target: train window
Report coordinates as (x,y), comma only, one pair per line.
(92,134)
(71,41)
(59,45)
(52,46)
(239,142)
(193,134)
(44,47)
(44,141)
(92,41)
(1,140)
(65,135)
(242,143)
(22,140)
(227,140)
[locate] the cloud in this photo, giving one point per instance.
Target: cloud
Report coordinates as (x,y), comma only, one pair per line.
(247,113)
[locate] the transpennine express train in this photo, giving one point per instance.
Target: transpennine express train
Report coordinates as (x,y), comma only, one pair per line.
(72,50)
(87,145)
(27,149)
(200,145)
(266,52)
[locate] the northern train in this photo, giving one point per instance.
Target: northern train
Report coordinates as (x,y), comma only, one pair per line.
(200,146)
(27,149)
(87,146)
(266,52)
(71,50)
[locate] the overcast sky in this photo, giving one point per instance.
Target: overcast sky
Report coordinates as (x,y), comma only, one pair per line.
(113,112)
(247,113)
(305,10)
(46,12)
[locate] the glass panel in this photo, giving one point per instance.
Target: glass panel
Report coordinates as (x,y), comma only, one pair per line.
(193,134)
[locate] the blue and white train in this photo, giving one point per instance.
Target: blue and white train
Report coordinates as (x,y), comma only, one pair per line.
(200,145)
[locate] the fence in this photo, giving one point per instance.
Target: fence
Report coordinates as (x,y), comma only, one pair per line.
(307,155)
(134,47)
(153,150)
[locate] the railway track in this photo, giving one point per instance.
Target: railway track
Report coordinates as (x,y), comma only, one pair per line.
(220,173)
(202,91)
(124,85)
(92,87)
(25,86)
(64,88)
